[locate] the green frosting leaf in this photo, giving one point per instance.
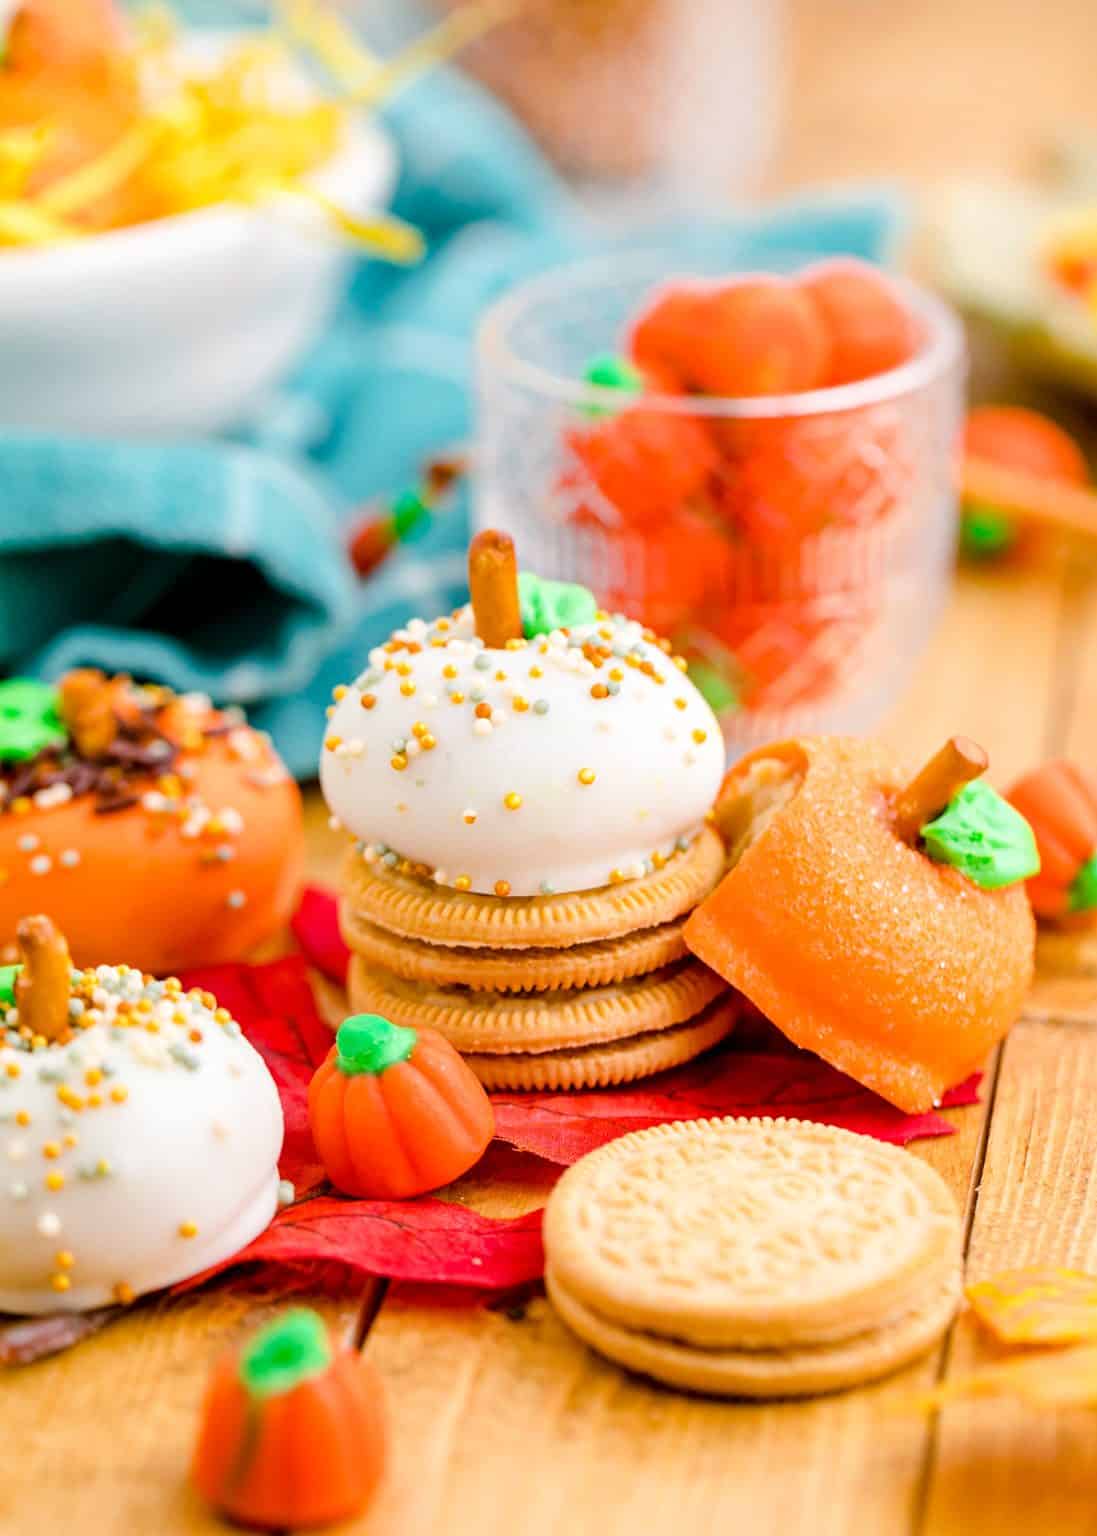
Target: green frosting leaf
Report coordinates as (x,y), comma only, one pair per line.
(611,372)
(548,605)
(985,532)
(8,975)
(292,1349)
(982,836)
(1082,896)
(30,719)
(368,1043)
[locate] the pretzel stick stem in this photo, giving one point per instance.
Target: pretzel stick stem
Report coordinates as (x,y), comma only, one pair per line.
(958,762)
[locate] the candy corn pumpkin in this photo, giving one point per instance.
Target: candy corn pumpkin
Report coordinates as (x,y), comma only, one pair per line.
(292,1431)
(396,1112)
(1059,800)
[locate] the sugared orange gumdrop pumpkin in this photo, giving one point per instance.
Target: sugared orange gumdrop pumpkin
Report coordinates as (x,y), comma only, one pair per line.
(395,1112)
(1059,800)
(293,1429)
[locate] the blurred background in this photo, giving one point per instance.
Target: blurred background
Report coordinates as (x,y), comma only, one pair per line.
(278,334)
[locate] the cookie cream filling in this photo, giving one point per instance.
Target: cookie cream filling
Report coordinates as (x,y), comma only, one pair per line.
(563,763)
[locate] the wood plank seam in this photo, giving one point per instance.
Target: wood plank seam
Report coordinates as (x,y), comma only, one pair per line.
(944,1355)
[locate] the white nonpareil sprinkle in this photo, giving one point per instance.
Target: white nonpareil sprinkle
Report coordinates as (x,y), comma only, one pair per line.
(49,1224)
(52,795)
(41,864)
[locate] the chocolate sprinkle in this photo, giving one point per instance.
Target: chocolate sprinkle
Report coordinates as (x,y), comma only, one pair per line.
(141,751)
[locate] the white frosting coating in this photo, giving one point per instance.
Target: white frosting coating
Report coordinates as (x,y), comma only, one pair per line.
(167,1146)
(451,803)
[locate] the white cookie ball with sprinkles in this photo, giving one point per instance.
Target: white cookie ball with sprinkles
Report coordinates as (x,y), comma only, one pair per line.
(526,745)
(139,1132)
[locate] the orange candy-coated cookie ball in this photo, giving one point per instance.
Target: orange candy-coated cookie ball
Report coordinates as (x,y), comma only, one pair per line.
(293,1429)
(178,843)
(870,328)
(893,968)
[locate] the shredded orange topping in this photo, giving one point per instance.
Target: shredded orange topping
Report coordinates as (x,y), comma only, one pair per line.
(103,126)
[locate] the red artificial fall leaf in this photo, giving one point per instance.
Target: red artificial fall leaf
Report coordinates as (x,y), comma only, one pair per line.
(275,1008)
(564,1127)
(315,926)
(429,1241)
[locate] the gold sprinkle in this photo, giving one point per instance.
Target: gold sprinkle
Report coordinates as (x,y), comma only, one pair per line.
(22,1117)
(616,876)
(502,887)
(500,677)
(188,1229)
(60,1282)
(124,1294)
(469,818)
(407,689)
(586,775)
(680,703)
(699,736)
(449,670)
(536,671)
(512,801)
(518,644)
(64,1259)
(658,860)
(329,711)
(12,1069)
(519,704)
(332,742)
(95,1101)
(599,691)
(70,1139)
(680,662)
(427,742)
(403,669)
(20,805)
(120,1094)
(398,761)
(457,698)
(51,1149)
(339,692)
(462,882)
(55,1179)
(616,675)
(367,701)
(483,711)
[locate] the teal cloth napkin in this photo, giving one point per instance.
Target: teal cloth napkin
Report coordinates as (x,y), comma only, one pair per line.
(221,565)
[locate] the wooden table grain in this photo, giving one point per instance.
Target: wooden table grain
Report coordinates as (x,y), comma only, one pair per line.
(503,1426)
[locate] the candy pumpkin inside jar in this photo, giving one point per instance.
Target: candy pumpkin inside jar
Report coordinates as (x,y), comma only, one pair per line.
(293,1429)
(396,1112)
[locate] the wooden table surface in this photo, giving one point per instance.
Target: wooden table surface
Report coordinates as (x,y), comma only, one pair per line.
(502,1426)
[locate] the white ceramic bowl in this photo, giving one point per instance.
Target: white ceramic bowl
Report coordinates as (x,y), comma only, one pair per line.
(180,325)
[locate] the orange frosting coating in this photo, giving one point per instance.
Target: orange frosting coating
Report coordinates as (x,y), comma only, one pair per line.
(895,969)
(164,884)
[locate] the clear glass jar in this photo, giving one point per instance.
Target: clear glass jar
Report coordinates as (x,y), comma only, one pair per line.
(675,99)
(805,578)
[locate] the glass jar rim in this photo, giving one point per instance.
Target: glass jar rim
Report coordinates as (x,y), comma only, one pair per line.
(942,348)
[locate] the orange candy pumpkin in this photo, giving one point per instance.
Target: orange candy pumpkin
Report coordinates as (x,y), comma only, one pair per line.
(292,1431)
(1059,801)
(396,1112)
